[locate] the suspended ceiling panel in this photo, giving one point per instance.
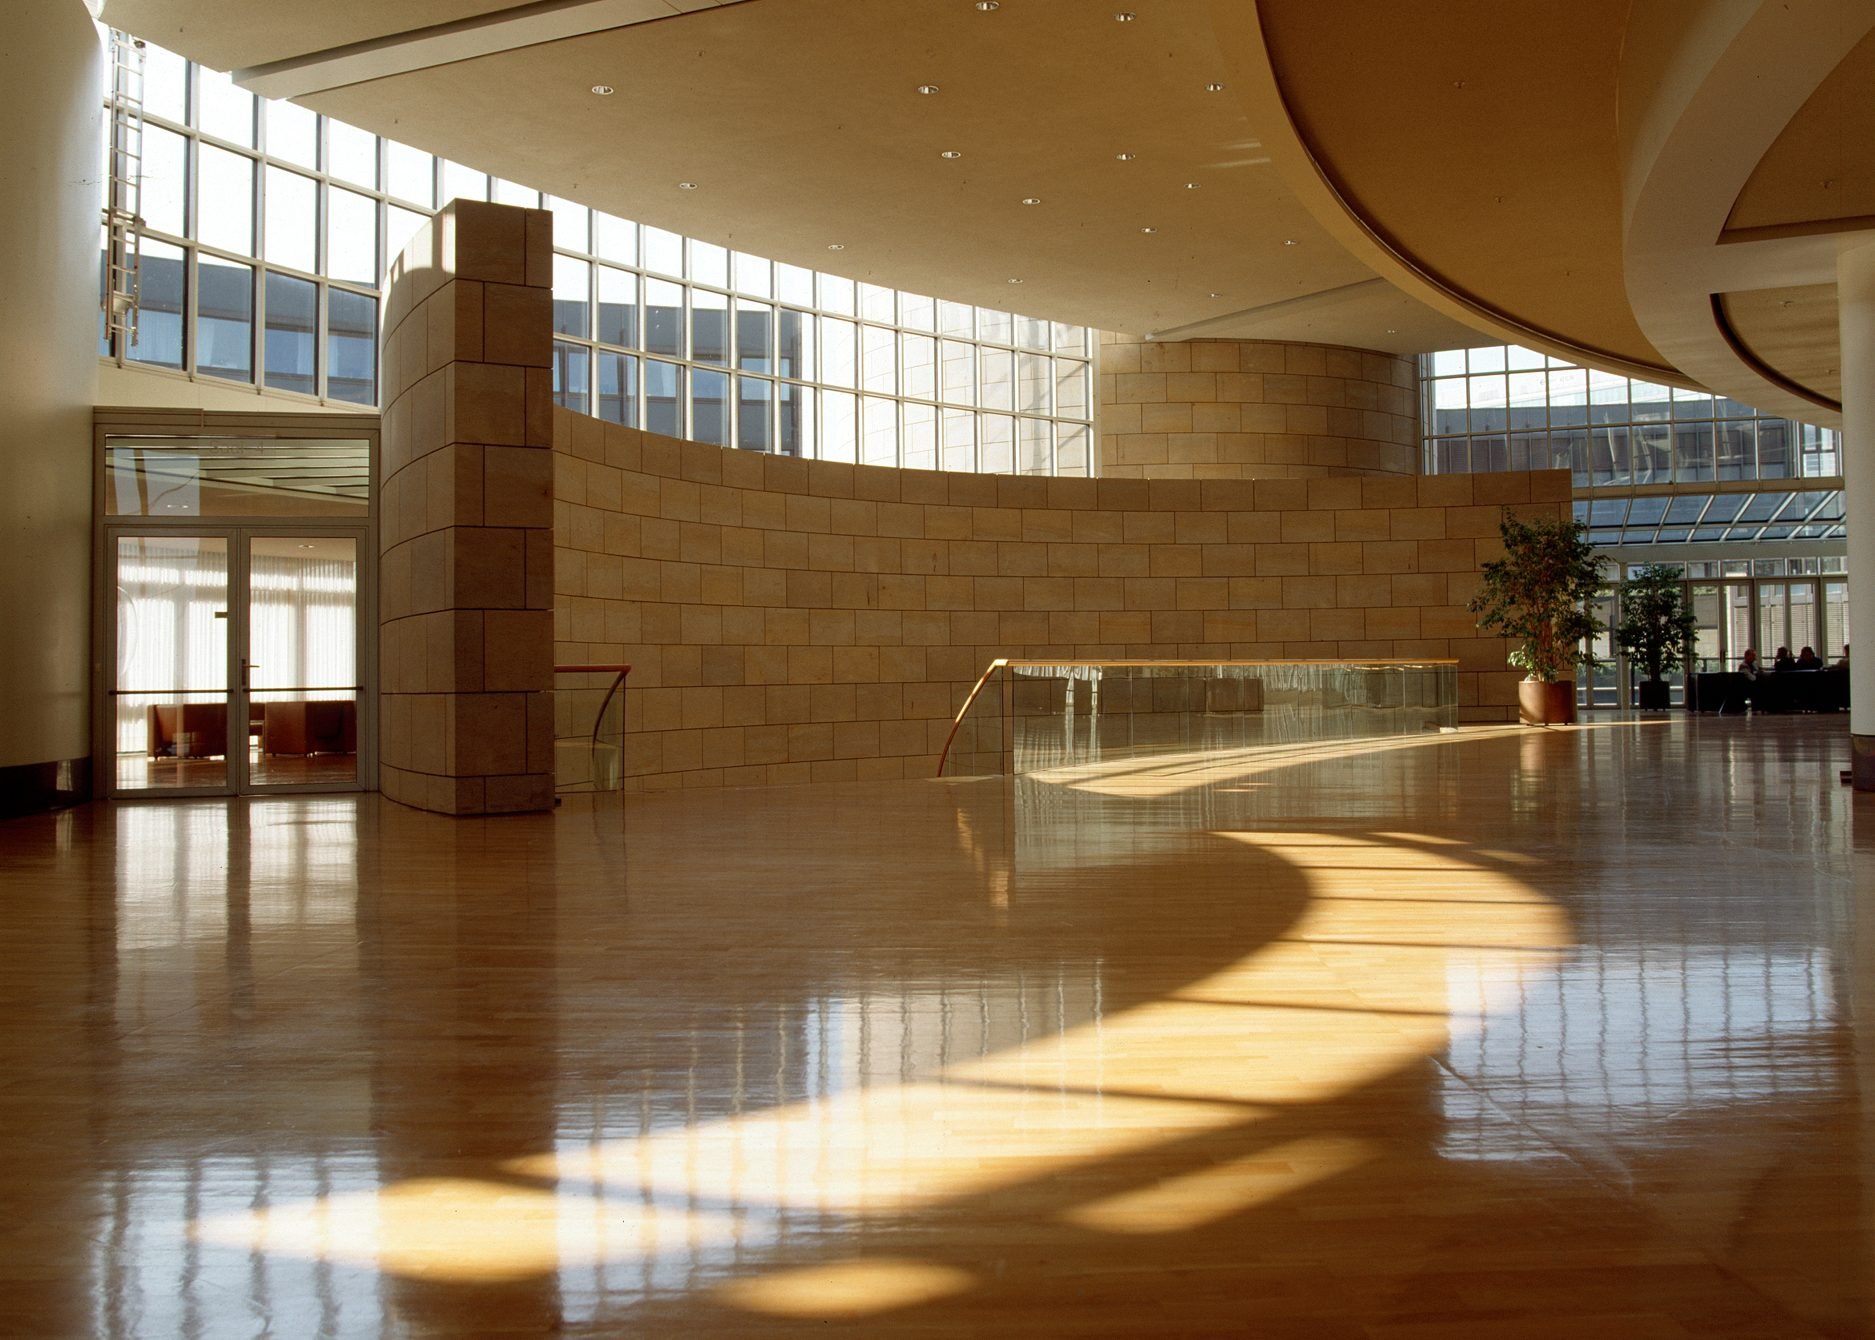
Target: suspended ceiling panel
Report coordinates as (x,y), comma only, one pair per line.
(800,125)
(1478,140)
(1793,331)
(1819,176)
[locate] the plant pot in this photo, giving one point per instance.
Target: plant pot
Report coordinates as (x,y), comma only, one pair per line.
(1541,703)
(1656,695)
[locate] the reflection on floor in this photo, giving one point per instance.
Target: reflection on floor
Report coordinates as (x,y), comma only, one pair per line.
(139,772)
(1507,1033)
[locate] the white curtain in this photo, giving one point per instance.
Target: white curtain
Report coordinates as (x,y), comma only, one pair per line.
(170,592)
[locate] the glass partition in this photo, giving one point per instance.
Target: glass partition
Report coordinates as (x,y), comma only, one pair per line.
(589,727)
(1024,716)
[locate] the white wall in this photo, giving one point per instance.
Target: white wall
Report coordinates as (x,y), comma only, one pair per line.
(51,106)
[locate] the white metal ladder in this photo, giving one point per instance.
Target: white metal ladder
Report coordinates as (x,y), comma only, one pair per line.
(123,208)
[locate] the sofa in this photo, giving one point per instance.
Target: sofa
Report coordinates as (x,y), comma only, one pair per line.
(309,728)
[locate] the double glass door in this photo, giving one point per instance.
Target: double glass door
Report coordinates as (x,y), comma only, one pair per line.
(237,655)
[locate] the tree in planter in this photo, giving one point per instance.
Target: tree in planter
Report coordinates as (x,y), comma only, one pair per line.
(1656,627)
(1540,593)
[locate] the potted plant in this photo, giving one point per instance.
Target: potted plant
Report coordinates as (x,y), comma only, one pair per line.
(1656,628)
(1540,593)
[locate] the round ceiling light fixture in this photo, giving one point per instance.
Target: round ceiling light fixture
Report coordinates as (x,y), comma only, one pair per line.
(950,153)
(836,246)
(989,6)
(686,186)
(1124,16)
(1289,241)
(1015,281)
(928,89)
(1126,157)
(1148,230)
(1191,186)
(1214,87)
(604,90)
(1031,200)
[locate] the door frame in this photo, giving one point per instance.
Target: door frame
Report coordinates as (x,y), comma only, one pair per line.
(179,424)
(238,536)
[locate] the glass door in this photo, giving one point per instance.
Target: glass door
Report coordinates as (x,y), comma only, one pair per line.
(173,696)
(237,661)
(301,664)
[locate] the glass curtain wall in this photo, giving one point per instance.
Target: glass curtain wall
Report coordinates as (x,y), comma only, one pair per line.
(268,229)
(1741,501)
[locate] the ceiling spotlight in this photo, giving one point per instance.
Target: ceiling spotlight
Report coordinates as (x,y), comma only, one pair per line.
(950,153)
(686,186)
(1148,230)
(1125,16)
(1015,281)
(604,90)
(989,6)
(1125,158)
(1289,241)
(1213,88)
(1217,295)
(1191,186)
(927,89)
(1031,200)
(836,246)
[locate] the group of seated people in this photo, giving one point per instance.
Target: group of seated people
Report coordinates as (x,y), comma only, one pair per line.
(1807,659)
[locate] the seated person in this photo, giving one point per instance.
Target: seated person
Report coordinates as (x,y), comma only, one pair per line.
(1783,660)
(1807,659)
(1843,664)
(1749,667)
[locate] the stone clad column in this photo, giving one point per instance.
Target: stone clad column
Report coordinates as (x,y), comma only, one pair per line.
(1254,409)
(466,515)
(1855,271)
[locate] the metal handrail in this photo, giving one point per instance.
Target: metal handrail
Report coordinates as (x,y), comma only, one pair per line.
(621,671)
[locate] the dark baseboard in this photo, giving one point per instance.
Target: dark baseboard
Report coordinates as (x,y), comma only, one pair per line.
(33,788)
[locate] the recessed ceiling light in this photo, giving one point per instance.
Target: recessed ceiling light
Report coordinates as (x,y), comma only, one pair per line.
(1125,158)
(1015,281)
(686,186)
(927,89)
(1289,241)
(1191,186)
(1217,295)
(1148,230)
(989,6)
(1392,331)
(836,246)
(1125,16)
(950,153)
(604,90)
(1031,200)
(1213,88)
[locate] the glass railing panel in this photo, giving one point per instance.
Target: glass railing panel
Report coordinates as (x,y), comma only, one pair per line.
(588,727)
(1026,716)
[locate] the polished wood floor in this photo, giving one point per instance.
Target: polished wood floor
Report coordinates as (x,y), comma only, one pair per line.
(1505,1033)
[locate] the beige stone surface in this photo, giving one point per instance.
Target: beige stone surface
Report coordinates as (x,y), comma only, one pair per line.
(1240,409)
(790,620)
(466,516)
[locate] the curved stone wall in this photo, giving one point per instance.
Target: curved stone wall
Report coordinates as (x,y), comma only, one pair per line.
(792,620)
(1254,409)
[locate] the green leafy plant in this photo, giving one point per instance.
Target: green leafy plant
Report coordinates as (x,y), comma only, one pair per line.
(1540,593)
(1656,626)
